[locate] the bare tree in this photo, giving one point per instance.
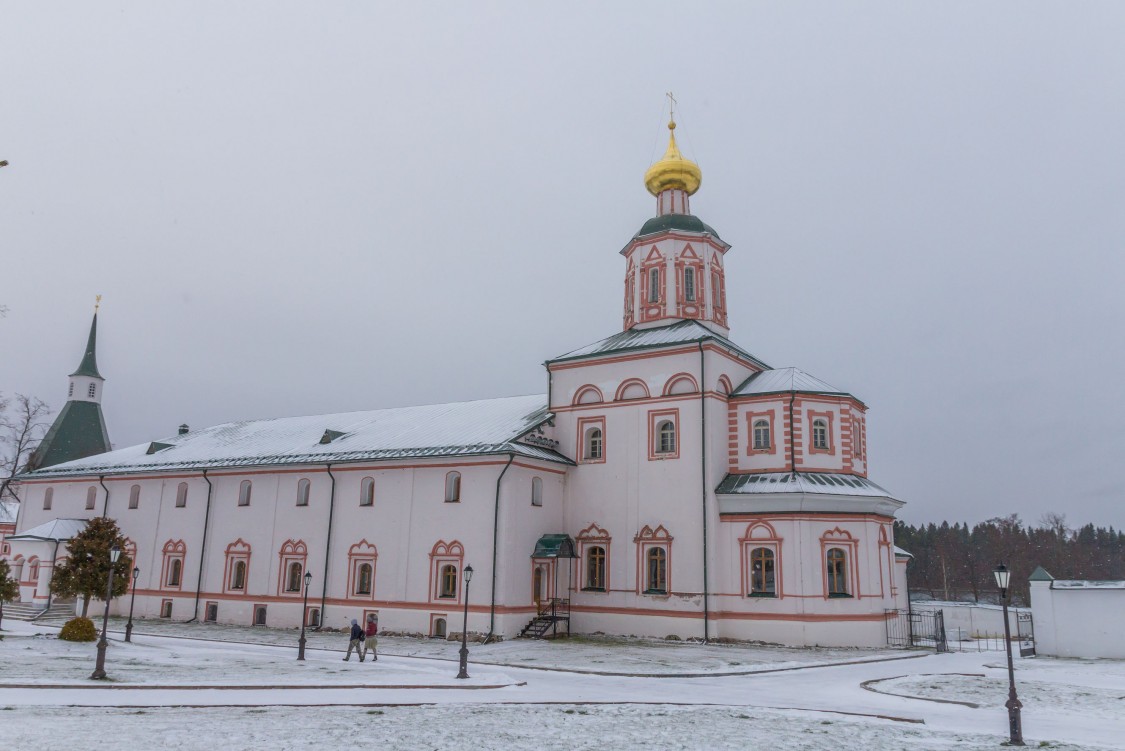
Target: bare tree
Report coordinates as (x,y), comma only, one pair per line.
(22,426)
(1055,522)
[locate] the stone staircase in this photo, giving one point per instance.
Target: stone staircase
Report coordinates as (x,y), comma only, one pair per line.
(22,611)
(59,613)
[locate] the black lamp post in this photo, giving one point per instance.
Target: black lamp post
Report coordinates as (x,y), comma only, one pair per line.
(99,668)
(304,617)
(132,599)
(1015,728)
(465,627)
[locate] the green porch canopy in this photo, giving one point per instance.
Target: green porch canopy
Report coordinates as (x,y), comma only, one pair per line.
(554,546)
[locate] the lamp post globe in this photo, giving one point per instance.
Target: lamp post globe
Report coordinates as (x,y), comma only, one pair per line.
(99,667)
(464,672)
(132,600)
(1015,723)
(304,617)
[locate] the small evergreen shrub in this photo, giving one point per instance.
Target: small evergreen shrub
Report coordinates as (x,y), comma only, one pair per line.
(79,629)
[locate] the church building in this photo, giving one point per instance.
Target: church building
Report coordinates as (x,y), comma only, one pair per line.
(669,482)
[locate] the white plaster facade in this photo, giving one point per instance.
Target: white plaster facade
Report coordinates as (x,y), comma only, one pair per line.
(1077,618)
(670,509)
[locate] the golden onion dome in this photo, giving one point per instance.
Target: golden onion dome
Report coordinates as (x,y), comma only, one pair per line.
(673,172)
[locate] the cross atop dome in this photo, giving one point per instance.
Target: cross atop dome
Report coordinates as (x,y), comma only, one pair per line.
(673,178)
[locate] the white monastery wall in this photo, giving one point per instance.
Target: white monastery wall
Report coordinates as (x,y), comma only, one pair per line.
(1078,619)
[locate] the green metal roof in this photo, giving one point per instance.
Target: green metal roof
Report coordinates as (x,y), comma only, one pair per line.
(1040,575)
(554,546)
(675,334)
(79,431)
(89,365)
(685,222)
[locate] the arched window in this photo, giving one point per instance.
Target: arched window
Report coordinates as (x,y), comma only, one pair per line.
(93,389)
(761,435)
(293,577)
(689,284)
(439,628)
(181,495)
(837,568)
(448,581)
(314,617)
(367,492)
(363,579)
(91,497)
(453,487)
(666,437)
(135,496)
(48,498)
(536,491)
(244,493)
(654,285)
(33,571)
(762,576)
(259,615)
(656,571)
(175,569)
(303,488)
(595,444)
(238,575)
(595,568)
(820,434)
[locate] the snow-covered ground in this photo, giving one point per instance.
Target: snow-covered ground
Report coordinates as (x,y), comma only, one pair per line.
(177,691)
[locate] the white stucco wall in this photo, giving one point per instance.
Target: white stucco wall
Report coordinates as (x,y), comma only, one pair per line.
(1078,619)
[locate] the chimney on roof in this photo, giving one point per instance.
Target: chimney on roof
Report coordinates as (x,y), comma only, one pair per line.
(184,429)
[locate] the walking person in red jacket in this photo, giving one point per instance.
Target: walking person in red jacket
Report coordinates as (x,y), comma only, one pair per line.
(372,640)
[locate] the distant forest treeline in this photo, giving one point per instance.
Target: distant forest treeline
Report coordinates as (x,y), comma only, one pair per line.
(955,562)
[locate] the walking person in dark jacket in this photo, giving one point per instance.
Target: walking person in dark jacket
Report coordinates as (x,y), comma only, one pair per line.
(356,642)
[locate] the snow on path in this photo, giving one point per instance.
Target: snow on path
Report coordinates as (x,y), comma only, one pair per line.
(834,689)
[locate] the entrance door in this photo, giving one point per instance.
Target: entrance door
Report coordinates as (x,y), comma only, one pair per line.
(539,585)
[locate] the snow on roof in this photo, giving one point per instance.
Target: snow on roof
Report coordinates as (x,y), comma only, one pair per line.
(487,426)
(900,553)
(683,332)
(56,529)
(784,379)
(8,511)
(801,482)
(1080,584)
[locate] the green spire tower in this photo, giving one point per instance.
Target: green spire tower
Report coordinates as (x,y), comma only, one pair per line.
(79,430)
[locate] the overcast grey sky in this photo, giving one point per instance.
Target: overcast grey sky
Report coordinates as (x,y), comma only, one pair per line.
(302,208)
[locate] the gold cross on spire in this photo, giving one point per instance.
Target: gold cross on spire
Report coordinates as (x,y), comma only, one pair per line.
(97,303)
(671,107)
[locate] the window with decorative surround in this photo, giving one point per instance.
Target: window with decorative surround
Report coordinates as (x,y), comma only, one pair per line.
(838,551)
(761,561)
(292,558)
(445,571)
(654,554)
(172,572)
(820,432)
(237,569)
(361,569)
(593,545)
(663,440)
(591,440)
